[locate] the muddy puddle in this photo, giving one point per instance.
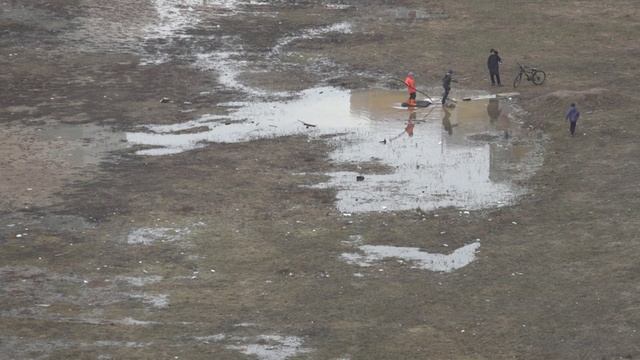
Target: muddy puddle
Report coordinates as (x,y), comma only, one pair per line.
(41,159)
(87,144)
(471,156)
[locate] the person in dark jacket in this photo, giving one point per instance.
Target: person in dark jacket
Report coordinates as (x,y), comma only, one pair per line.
(572,115)
(446,84)
(493,63)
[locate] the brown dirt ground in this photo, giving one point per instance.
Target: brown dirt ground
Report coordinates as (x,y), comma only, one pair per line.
(561,283)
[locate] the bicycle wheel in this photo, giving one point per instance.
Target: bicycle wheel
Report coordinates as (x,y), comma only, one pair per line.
(538,77)
(517,80)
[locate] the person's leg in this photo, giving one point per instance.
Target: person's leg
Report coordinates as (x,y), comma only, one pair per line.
(498,78)
(573,127)
(492,75)
(445,95)
(412,99)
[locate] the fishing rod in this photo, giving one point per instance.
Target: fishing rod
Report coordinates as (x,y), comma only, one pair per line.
(423,93)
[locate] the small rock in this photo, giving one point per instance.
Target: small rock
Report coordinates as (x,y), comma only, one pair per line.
(360,178)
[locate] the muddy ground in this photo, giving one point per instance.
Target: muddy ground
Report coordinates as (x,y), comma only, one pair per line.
(228,251)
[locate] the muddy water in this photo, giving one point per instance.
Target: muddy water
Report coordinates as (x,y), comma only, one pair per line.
(466,157)
(87,144)
(38,161)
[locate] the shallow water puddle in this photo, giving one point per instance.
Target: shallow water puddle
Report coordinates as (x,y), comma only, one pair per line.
(459,258)
(229,59)
(82,144)
(467,157)
(41,288)
(272,347)
(262,347)
(148,236)
(151,235)
(327,108)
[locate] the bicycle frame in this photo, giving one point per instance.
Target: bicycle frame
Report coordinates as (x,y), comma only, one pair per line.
(528,72)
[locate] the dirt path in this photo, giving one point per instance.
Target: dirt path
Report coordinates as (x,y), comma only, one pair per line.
(233,250)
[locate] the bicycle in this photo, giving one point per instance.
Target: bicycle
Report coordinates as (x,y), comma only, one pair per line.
(534,75)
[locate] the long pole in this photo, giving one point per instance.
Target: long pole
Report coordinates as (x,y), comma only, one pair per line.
(423,93)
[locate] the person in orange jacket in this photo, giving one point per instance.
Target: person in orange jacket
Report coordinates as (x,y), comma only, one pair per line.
(411,87)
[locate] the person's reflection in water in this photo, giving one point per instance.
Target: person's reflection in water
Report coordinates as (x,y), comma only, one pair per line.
(409,128)
(410,124)
(493,110)
(446,121)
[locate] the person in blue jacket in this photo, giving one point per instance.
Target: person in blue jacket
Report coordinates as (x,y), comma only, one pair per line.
(572,115)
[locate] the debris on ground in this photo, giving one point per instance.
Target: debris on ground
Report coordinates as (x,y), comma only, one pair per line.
(307,125)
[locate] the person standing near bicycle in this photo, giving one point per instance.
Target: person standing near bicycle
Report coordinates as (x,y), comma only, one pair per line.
(572,115)
(493,63)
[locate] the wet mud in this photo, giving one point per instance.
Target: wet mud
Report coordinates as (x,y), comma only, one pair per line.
(204,179)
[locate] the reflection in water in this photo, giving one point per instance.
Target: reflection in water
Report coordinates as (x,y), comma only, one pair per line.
(408,129)
(493,109)
(431,168)
(85,144)
(446,121)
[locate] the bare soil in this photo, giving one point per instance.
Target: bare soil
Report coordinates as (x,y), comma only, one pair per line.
(245,249)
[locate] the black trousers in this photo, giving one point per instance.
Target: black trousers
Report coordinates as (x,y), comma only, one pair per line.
(495,77)
(412,96)
(446,94)
(572,126)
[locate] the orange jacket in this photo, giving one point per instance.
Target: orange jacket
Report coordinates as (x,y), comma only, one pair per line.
(411,84)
